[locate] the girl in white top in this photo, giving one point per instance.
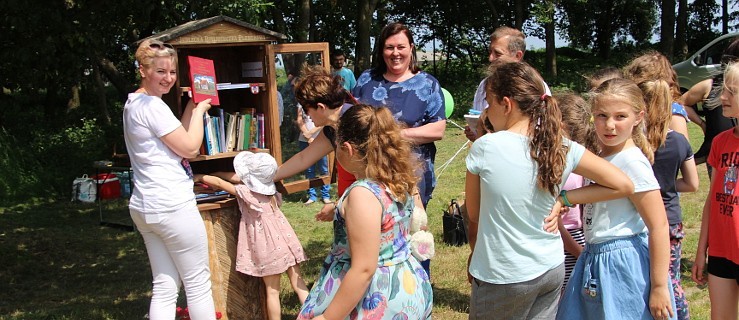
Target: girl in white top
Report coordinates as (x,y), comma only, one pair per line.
(622,273)
(513,181)
(163,204)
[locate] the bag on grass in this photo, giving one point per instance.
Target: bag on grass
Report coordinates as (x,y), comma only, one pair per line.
(453,225)
(84,189)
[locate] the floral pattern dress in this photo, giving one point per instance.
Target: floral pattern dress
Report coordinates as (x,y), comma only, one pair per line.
(267,244)
(414,102)
(399,289)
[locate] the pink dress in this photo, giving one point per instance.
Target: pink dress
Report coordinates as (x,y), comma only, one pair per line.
(267,243)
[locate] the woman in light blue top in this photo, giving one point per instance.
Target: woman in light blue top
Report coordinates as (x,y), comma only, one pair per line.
(514,182)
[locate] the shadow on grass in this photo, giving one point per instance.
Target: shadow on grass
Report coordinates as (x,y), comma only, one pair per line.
(59,263)
(310,270)
(452,299)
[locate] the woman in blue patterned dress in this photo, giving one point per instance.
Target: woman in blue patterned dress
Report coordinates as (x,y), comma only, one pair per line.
(370,272)
(414,97)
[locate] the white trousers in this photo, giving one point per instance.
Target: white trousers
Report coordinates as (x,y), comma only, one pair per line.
(177,246)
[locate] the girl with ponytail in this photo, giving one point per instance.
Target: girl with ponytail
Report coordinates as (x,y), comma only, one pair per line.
(514,195)
(672,155)
(623,271)
(370,257)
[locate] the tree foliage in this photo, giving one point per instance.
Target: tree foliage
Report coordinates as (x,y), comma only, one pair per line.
(69,63)
(601,25)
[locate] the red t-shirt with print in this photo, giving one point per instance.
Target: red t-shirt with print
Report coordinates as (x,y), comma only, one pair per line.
(723,226)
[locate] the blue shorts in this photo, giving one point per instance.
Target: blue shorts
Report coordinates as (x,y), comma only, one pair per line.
(611,281)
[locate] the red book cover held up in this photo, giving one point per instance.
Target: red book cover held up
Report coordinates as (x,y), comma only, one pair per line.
(203,80)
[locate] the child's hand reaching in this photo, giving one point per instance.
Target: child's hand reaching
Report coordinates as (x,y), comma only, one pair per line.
(326,213)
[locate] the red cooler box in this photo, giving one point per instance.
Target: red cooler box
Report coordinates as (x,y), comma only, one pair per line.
(108,185)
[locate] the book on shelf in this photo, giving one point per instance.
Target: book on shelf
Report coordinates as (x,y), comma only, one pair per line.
(206,193)
(247,128)
(260,119)
(203,80)
(231,131)
(221,130)
(246,131)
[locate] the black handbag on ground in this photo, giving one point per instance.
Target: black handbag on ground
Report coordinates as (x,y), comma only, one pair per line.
(455,233)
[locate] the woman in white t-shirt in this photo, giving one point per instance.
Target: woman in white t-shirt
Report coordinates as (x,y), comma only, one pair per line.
(163,204)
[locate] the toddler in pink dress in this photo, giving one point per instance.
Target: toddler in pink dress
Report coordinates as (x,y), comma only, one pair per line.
(268,245)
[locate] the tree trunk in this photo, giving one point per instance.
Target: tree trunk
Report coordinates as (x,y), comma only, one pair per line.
(303,27)
(278,18)
(108,69)
(74,100)
(667,29)
(604,31)
(102,102)
(493,13)
(519,14)
(302,34)
(364,26)
(724,16)
(551,50)
(681,33)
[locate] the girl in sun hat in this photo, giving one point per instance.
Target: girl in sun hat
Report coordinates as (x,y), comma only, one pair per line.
(268,245)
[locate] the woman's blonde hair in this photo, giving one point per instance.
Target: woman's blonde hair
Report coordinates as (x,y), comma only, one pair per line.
(653,65)
(731,77)
(150,49)
(375,134)
(658,101)
(627,91)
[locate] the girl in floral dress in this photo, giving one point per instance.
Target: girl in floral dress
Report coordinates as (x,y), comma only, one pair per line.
(370,272)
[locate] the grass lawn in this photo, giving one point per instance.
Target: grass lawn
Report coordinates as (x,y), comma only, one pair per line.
(59,263)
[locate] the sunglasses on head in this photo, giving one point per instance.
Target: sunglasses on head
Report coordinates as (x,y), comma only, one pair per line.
(160,45)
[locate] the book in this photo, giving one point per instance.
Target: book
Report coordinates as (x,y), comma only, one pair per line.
(203,80)
(260,118)
(231,132)
(207,133)
(253,133)
(222,130)
(246,131)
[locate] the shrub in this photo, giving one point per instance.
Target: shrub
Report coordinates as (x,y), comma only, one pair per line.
(19,171)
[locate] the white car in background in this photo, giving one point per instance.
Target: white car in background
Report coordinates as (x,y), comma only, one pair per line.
(704,63)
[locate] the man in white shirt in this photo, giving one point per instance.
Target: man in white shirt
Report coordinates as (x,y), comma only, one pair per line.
(506,44)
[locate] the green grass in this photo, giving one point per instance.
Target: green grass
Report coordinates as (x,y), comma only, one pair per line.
(58,263)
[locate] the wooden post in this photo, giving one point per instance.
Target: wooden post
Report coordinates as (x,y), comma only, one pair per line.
(235,295)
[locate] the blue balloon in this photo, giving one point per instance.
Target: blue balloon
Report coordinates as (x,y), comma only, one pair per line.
(448,102)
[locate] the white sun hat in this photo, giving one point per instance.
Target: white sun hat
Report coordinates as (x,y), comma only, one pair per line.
(256,171)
